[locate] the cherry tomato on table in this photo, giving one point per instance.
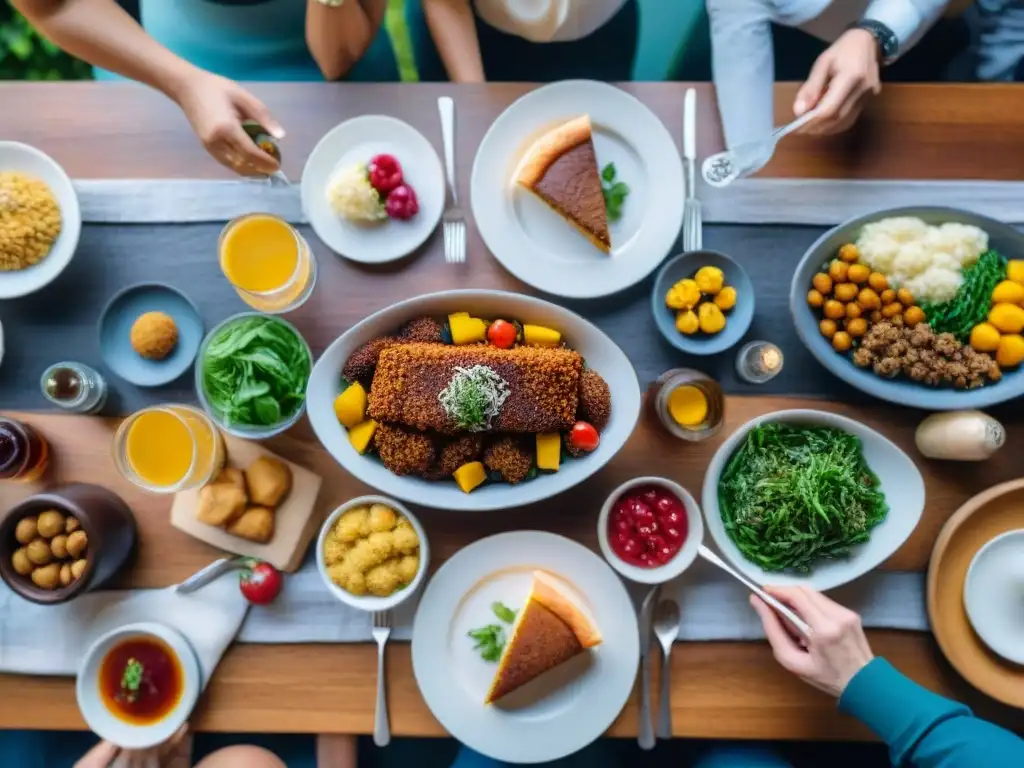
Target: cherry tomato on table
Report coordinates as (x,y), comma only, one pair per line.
(260,582)
(385,173)
(583,437)
(502,334)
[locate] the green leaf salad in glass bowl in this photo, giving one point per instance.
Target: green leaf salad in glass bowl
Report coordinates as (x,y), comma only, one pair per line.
(251,375)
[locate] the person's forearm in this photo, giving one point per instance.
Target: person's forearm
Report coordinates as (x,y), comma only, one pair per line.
(922,729)
(101,33)
(338,37)
(453,28)
(909,19)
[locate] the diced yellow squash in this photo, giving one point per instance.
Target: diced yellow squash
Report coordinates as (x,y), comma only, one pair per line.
(1015,270)
(350,405)
(469,476)
(540,336)
(549,450)
(467,330)
(361,434)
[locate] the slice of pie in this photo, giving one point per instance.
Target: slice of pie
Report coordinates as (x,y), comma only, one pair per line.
(561,169)
(549,630)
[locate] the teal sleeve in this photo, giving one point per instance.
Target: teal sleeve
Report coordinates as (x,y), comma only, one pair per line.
(922,729)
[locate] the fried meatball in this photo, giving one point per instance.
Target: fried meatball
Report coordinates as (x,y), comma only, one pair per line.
(353,524)
(363,362)
(454,453)
(595,403)
(511,457)
(404,451)
(154,335)
(425,329)
(382,518)
(383,580)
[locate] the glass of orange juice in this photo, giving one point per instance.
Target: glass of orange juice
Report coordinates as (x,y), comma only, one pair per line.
(270,265)
(168,448)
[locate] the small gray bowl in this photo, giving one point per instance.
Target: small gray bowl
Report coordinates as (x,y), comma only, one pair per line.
(737,319)
(1002,237)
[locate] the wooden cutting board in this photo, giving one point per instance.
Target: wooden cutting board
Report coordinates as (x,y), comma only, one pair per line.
(296,524)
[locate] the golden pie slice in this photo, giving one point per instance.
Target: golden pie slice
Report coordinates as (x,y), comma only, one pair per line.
(561,169)
(550,629)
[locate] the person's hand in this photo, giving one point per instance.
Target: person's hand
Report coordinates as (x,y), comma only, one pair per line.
(216,108)
(840,82)
(837,649)
(176,752)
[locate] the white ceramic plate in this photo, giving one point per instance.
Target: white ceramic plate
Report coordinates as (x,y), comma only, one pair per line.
(555,715)
(994,595)
(599,351)
(29,160)
(106,725)
(533,242)
(356,141)
(901,482)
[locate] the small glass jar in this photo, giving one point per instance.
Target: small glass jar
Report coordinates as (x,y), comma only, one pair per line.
(759,362)
(688,403)
(24,453)
(74,387)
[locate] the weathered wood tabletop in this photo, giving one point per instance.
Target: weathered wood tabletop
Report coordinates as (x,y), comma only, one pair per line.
(720,690)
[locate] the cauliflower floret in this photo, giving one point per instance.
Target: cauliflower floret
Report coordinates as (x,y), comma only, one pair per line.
(334,549)
(383,580)
(382,518)
(352,524)
(405,540)
(371,552)
(407,568)
(349,579)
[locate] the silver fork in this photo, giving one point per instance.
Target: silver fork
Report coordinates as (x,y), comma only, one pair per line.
(381,633)
(693,225)
(454,221)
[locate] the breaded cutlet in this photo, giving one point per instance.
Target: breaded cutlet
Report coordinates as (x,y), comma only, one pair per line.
(543,384)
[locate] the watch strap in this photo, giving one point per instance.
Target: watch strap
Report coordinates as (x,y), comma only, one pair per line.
(888,43)
(331,3)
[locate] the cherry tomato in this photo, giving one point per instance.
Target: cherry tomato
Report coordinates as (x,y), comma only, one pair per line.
(583,437)
(502,334)
(385,173)
(260,582)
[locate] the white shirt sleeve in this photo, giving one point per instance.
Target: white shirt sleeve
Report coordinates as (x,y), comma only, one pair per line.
(909,19)
(743,67)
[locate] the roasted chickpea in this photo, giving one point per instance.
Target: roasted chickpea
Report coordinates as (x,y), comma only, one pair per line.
(46,577)
(38,552)
(868,299)
(834,309)
(828,328)
(77,569)
(891,310)
(59,546)
(888,296)
(22,565)
(50,523)
(842,342)
(913,316)
(878,282)
(65,574)
(26,529)
(904,296)
(814,297)
(853,310)
(71,525)
(849,253)
(77,542)
(857,327)
(838,271)
(846,292)
(822,283)
(859,273)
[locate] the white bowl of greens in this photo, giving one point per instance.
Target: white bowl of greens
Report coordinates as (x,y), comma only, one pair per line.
(251,375)
(809,498)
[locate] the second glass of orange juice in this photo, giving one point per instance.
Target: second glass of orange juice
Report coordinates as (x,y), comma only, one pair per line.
(270,265)
(168,448)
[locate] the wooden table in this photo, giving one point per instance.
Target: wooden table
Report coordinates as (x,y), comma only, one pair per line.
(720,690)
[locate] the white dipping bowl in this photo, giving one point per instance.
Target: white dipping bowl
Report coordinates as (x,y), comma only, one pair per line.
(683,558)
(994,595)
(369,602)
(107,725)
(899,479)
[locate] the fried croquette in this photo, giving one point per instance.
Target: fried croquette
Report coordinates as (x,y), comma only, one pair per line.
(269,480)
(362,557)
(404,451)
(220,504)
(383,556)
(383,580)
(255,524)
(154,335)
(349,579)
(353,525)
(382,518)
(543,384)
(511,457)
(425,329)
(408,567)
(404,540)
(232,476)
(595,399)
(454,453)
(334,549)
(363,362)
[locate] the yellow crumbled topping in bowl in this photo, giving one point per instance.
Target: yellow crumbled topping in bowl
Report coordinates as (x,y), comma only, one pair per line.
(29,220)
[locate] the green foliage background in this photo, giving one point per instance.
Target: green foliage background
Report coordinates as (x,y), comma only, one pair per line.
(24,55)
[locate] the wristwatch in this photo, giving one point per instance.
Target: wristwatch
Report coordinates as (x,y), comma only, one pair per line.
(331,3)
(888,43)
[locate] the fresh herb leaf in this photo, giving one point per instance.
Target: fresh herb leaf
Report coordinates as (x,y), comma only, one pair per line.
(503,612)
(608,173)
(490,641)
(972,301)
(131,679)
(615,192)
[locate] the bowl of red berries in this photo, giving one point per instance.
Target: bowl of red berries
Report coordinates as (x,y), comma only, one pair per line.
(650,529)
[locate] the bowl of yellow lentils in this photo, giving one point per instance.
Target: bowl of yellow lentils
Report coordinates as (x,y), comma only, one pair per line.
(40,220)
(703,302)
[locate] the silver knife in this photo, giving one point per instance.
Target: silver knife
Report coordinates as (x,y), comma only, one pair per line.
(693,238)
(201,578)
(645,738)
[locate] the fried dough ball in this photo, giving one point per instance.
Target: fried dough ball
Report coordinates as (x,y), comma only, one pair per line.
(38,551)
(353,525)
(65,575)
(78,568)
(22,565)
(382,518)
(77,542)
(334,549)
(154,335)
(408,567)
(367,554)
(59,546)
(255,524)
(71,524)
(269,480)
(454,453)
(383,580)
(50,523)
(232,476)
(348,578)
(405,540)
(47,577)
(26,530)
(219,504)
(425,329)
(510,457)
(404,451)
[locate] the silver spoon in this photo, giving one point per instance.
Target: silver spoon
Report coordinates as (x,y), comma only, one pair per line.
(666,629)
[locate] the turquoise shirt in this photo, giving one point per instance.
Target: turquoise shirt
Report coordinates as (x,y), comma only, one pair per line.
(922,729)
(254,40)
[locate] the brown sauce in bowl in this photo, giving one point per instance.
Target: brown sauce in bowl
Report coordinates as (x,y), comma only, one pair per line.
(141,680)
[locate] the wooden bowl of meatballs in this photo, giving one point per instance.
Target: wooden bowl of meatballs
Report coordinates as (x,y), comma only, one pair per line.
(63,542)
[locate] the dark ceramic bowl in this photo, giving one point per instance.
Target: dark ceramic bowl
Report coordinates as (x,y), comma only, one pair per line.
(106,520)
